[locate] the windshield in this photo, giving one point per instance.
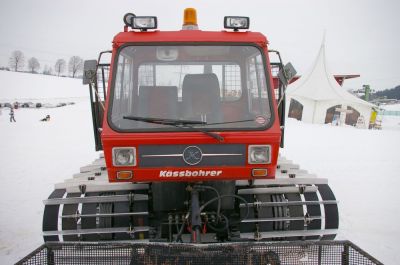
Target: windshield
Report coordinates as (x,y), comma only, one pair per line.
(213,87)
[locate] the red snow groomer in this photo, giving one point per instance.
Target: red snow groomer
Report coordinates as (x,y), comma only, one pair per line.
(190,124)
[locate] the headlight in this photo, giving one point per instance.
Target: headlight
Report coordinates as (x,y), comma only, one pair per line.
(259,154)
(124,156)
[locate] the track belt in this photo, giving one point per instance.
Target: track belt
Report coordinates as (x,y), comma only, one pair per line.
(50,216)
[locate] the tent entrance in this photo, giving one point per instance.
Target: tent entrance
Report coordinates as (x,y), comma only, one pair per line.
(352,117)
(332,114)
(295,110)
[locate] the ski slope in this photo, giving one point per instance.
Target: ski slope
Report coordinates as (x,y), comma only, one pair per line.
(362,165)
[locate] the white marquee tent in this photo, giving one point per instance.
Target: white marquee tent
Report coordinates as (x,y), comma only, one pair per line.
(318,98)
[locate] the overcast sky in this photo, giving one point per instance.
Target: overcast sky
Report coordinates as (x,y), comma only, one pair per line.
(362,36)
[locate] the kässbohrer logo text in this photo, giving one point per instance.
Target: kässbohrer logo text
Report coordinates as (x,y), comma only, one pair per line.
(189,173)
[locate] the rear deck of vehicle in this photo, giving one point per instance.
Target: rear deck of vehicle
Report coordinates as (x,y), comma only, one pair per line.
(322,252)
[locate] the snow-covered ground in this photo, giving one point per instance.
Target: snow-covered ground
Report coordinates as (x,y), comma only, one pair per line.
(394,107)
(363,170)
(34,155)
(390,122)
(362,166)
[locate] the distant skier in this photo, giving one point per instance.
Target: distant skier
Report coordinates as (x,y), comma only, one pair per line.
(47,118)
(12,118)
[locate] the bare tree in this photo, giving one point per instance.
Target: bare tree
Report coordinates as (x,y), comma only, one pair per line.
(75,64)
(33,65)
(47,70)
(17,60)
(59,67)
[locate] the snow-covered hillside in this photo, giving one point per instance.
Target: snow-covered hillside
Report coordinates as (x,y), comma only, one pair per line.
(362,166)
(32,87)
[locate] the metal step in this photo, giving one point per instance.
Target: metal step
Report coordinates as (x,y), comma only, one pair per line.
(97,199)
(287,166)
(278,190)
(281,219)
(294,233)
(289,203)
(310,180)
(129,230)
(85,176)
(104,215)
(89,168)
(100,186)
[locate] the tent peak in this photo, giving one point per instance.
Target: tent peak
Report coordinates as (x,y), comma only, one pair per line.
(323,39)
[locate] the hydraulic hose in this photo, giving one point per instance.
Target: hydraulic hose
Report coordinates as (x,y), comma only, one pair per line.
(216,191)
(219,199)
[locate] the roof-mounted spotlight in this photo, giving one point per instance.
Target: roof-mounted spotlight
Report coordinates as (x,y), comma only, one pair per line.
(144,23)
(128,19)
(236,23)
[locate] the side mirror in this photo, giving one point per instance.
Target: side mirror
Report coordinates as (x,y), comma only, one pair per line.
(287,73)
(89,71)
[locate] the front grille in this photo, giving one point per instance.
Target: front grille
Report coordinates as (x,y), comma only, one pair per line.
(172,155)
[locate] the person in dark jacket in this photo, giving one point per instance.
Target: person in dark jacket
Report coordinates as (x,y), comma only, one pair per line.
(47,118)
(12,118)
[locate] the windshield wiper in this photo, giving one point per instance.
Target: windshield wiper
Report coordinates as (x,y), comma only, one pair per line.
(227,122)
(164,121)
(177,123)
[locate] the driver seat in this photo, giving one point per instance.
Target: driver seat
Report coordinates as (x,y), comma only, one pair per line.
(201,97)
